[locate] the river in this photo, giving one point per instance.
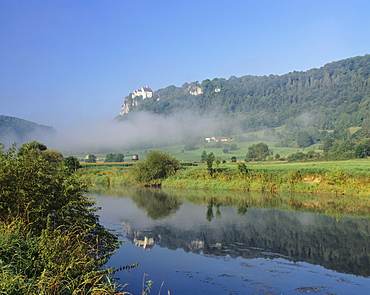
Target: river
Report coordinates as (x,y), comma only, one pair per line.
(192,247)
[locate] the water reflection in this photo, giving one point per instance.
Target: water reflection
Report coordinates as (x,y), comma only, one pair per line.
(155,202)
(210,226)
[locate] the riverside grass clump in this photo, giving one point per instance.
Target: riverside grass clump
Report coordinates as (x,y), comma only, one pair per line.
(103,175)
(51,241)
(317,181)
(55,262)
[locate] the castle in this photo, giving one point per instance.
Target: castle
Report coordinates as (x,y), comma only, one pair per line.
(145,92)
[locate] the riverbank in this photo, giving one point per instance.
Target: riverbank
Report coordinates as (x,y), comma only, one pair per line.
(341,179)
(319,189)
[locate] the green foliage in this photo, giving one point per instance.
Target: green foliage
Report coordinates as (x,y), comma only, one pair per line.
(209,161)
(203,157)
(157,166)
(110,157)
(300,156)
(242,169)
(119,157)
(333,95)
(233,159)
(91,159)
(72,164)
(304,139)
(51,226)
(258,152)
(33,146)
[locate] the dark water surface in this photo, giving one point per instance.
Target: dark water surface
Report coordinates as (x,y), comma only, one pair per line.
(214,249)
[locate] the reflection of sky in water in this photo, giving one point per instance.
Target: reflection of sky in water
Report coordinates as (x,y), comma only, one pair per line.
(191,273)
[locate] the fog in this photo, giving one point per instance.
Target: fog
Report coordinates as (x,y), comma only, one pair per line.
(143,130)
(9,137)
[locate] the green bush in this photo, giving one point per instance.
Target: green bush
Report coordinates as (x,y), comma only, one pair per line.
(51,241)
(154,168)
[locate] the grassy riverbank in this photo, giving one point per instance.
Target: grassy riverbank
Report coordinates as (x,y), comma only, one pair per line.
(342,187)
(339,177)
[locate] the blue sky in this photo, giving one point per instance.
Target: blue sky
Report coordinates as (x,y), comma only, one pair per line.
(64,61)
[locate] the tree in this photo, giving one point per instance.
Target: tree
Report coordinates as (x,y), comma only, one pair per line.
(203,157)
(109,158)
(328,143)
(258,152)
(218,162)
(119,157)
(33,146)
(360,151)
(341,133)
(156,167)
(304,139)
(225,151)
(91,159)
(366,126)
(72,164)
(363,149)
(233,159)
(210,159)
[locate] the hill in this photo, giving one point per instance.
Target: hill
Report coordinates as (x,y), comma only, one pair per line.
(337,94)
(18,130)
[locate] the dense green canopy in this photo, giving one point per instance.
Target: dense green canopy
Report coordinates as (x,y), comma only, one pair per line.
(336,94)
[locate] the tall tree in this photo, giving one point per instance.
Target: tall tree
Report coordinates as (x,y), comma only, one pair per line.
(258,152)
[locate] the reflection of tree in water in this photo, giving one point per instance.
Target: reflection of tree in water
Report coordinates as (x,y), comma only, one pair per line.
(155,202)
(209,214)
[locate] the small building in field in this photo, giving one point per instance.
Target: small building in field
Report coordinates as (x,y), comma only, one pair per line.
(209,139)
(135,158)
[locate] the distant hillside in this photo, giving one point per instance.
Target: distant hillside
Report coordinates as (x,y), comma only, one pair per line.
(17,130)
(335,94)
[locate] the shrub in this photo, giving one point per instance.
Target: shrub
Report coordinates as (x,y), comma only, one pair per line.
(155,167)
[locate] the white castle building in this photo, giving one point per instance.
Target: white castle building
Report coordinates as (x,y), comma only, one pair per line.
(145,92)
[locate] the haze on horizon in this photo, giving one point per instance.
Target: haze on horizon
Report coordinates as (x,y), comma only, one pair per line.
(70,64)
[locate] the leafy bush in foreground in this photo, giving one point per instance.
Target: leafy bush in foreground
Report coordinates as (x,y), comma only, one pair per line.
(51,241)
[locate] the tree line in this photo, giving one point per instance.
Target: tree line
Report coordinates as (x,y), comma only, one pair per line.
(336,94)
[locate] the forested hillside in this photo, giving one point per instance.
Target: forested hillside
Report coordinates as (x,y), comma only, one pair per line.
(335,94)
(14,129)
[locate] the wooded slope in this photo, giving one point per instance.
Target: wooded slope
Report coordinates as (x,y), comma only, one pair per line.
(336,94)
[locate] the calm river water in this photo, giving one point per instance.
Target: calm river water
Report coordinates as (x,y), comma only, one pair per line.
(214,249)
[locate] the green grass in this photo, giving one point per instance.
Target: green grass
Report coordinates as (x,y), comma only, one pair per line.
(178,151)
